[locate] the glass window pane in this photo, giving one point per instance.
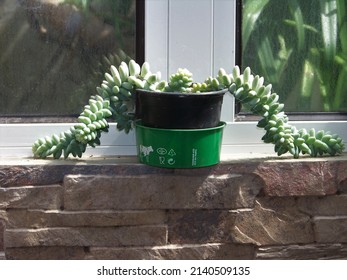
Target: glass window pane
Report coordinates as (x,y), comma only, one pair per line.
(53,53)
(300,46)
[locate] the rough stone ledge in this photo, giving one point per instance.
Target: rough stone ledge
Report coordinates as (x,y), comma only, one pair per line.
(282,176)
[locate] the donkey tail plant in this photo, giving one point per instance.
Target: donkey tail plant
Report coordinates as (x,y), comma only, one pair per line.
(260,100)
(115,100)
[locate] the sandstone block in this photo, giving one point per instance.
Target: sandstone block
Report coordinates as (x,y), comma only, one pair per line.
(160,192)
(2,231)
(3,216)
(215,251)
(87,236)
(323,206)
(3,222)
(299,178)
(197,227)
(342,176)
(14,176)
(272,221)
(46,253)
(105,218)
(330,229)
(303,252)
(54,172)
(31,197)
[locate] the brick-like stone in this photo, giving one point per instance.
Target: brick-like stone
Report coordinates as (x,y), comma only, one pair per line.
(160,192)
(56,218)
(216,251)
(303,252)
(323,206)
(46,253)
(3,215)
(196,226)
(52,172)
(299,178)
(330,229)
(2,231)
(342,176)
(3,222)
(272,221)
(87,236)
(32,197)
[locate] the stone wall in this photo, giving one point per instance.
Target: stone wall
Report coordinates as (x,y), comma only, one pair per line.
(242,209)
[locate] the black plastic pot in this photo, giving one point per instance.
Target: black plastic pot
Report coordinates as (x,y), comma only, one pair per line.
(179,110)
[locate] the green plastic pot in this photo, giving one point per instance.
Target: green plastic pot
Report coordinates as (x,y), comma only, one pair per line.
(179,148)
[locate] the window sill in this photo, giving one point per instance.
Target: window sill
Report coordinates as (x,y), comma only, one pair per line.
(238,138)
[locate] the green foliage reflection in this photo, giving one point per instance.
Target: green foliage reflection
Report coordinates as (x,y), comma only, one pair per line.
(300,46)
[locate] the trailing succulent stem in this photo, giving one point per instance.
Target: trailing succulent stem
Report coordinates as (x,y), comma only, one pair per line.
(115,100)
(260,100)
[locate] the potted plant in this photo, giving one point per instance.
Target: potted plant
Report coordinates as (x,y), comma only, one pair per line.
(179,104)
(177,125)
(116,99)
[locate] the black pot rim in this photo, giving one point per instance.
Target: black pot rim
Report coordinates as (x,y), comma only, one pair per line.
(138,123)
(209,93)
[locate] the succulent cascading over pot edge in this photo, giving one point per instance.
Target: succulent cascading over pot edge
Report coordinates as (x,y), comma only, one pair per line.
(115,101)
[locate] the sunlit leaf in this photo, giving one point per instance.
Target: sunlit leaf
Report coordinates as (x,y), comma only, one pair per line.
(305,26)
(307,79)
(299,22)
(329,27)
(340,100)
(251,12)
(342,23)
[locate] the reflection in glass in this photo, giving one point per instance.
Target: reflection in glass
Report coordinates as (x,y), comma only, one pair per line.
(300,46)
(53,53)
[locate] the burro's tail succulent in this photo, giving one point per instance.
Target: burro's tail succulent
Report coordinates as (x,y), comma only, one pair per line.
(259,99)
(115,101)
(181,81)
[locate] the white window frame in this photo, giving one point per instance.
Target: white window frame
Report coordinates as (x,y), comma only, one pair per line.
(198,35)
